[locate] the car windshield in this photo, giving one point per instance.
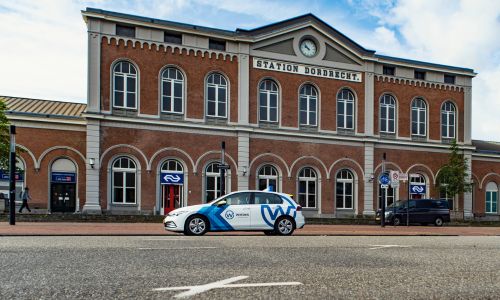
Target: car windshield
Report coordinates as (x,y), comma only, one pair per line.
(397,204)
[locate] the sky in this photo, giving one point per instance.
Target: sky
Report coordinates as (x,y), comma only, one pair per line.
(43,44)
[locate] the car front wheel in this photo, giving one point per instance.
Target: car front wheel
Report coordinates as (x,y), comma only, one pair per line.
(284,226)
(196,225)
(396,221)
(438,222)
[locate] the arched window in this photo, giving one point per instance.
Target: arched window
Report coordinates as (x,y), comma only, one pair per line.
(308,105)
(172,91)
(171,192)
(418,188)
(216,86)
(20,178)
(172,166)
(418,117)
(387,114)
(448,119)
(124,179)
(268,178)
(390,196)
(268,101)
(308,190)
(344,189)
(124,85)
(212,182)
(491,198)
(345,109)
(63,183)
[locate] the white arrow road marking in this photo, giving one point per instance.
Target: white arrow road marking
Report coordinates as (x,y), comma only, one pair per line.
(178,248)
(375,247)
(226,283)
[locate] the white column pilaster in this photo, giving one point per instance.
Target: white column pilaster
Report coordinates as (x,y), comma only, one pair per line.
(243,84)
(92,205)
(468,115)
(369,99)
(368,196)
(94,66)
(243,160)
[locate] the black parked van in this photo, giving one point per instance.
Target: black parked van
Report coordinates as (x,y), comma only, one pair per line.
(423,211)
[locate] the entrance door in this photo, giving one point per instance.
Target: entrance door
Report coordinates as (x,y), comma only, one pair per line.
(63,197)
(171,195)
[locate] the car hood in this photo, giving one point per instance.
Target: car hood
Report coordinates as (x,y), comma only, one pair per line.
(190,208)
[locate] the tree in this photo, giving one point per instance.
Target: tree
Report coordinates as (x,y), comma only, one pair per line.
(453,177)
(4,137)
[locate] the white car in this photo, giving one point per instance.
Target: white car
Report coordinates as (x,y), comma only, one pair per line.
(273,213)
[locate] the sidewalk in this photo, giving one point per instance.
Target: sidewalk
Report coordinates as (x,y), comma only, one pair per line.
(112,229)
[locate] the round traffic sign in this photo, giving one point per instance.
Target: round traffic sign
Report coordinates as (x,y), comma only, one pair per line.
(384,179)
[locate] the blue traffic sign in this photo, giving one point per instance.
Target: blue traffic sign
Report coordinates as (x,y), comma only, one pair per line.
(384,179)
(171,178)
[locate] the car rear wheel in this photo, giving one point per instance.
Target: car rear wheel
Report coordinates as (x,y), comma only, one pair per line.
(196,225)
(284,226)
(396,221)
(438,222)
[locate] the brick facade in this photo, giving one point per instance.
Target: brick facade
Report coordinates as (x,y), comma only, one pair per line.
(194,141)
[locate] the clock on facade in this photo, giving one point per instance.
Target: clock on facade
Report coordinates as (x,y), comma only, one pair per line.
(308,48)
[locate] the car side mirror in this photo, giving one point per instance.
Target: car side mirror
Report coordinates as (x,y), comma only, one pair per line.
(221,203)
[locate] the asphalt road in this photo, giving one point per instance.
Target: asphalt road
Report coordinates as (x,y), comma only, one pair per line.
(314,266)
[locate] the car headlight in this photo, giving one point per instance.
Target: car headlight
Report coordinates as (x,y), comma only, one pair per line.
(177,213)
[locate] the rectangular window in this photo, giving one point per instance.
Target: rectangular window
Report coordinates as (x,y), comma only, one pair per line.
(173,38)
(124,30)
(450,79)
(387,70)
(419,75)
(217,45)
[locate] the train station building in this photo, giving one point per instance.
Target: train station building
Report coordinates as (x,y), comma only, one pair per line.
(301,108)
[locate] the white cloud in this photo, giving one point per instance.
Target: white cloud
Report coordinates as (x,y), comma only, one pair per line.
(460,33)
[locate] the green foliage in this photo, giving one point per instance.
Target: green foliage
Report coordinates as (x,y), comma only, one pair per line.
(4,137)
(453,176)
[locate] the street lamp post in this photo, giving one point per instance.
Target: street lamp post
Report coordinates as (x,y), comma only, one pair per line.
(12,176)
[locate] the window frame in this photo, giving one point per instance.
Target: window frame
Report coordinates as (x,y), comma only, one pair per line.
(491,191)
(345,103)
(344,181)
(306,194)
(217,187)
(418,122)
(125,84)
(445,116)
(268,94)
(313,96)
(173,82)
(216,94)
(124,187)
(267,178)
(387,107)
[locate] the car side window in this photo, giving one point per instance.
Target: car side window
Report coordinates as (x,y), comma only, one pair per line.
(267,198)
(238,199)
(440,204)
(413,204)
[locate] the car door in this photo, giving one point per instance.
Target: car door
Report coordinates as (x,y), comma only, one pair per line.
(265,209)
(236,212)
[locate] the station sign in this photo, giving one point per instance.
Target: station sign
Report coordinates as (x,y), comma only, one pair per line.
(317,71)
(63,177)
(172,178)
(418,189)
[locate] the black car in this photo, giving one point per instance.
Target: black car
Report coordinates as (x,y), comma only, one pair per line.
(423,211)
